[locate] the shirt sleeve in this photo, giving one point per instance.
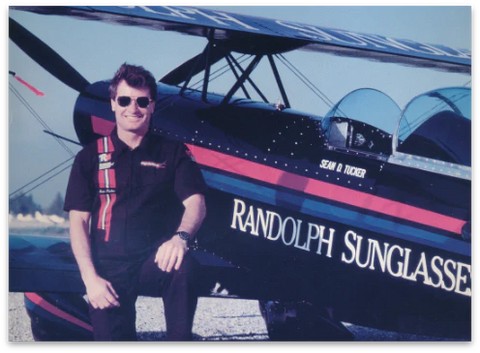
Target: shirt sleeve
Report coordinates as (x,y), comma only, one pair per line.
(188,177)
(80,190)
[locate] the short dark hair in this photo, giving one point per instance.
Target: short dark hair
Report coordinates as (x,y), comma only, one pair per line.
(134,76)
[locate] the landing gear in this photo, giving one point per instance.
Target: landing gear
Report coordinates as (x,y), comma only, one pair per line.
(301,322)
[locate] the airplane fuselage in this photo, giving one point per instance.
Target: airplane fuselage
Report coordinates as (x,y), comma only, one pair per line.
(301,222)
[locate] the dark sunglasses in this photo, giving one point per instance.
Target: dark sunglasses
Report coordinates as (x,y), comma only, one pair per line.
(142,102)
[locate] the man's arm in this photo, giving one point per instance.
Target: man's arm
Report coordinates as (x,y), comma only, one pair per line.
(195,212)
(100,292)
(170,254)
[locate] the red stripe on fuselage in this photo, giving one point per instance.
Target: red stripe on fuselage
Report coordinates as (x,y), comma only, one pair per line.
(38,300)
(323,189)
(101,126)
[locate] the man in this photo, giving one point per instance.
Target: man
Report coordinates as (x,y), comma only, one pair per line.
(127,229)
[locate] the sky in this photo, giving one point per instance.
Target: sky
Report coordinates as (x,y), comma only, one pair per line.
(96,50)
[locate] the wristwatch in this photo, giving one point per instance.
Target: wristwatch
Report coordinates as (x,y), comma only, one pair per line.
(185,236)
(191,243)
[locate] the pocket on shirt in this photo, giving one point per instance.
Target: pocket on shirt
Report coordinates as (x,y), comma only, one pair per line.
(154,180)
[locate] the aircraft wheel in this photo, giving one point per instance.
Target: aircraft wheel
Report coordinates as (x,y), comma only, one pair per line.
(301,322)
(58,317)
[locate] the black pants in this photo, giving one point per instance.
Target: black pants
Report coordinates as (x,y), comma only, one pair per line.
(179,298)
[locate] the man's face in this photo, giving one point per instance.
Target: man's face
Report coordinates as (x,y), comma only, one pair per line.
(132,117)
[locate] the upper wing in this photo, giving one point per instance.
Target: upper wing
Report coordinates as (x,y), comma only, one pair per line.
(249,33)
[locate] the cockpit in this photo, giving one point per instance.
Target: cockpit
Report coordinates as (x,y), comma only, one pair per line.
(363,122)
(437,125)
(432,133)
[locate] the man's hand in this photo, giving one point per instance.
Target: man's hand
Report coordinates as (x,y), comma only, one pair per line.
(101,293)
(170,254)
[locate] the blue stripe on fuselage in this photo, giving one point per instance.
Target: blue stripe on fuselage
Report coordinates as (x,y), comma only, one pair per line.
(333,213)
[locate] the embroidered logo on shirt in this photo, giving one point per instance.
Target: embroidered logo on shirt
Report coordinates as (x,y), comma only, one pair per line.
(105,165)
(105,161)
(153,164)
(104,157)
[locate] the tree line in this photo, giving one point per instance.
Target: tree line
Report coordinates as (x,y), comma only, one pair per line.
(26,205)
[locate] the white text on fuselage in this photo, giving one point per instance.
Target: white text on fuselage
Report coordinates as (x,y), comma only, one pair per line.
(360,251)
(344,169)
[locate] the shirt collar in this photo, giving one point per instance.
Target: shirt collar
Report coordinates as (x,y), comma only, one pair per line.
(119,145)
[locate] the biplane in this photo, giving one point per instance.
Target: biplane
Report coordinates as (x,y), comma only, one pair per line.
(362,215)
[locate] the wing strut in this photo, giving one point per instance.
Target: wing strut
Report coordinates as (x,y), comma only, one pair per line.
(202,62)
(206,76)
(245,76)
(235,73)
(192,71)
(279,81)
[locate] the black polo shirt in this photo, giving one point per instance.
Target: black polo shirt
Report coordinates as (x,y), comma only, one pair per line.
(134,196)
